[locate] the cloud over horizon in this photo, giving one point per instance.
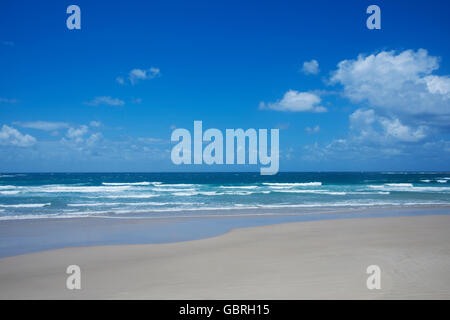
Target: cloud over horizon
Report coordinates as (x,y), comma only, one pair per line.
(402,107)
(10,136)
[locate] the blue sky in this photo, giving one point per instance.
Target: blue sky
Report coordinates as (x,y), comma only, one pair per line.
(107,97)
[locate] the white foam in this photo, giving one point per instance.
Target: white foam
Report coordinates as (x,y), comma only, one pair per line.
(442,181)
(409,188)
(130,196)
(211,193)
(101,204)
(336,193)
(9,192)
(7,187)
(41,216)
(97,204)
(25,205)
(185,194)
(6,175)
(239,187)
(77,189)
(350,204)
(172,189)
(280,187)
(146,203)
(399,184)
(299,184)
(369,192)
(145,183)
(239,193)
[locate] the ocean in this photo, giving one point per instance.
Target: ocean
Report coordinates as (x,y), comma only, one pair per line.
(119,195)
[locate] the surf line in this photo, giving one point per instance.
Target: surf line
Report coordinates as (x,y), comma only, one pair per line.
(213,153)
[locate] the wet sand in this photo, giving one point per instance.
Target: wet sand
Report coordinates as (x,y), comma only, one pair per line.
(298,260)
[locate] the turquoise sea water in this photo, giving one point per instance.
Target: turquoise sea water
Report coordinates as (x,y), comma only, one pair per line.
(62,195)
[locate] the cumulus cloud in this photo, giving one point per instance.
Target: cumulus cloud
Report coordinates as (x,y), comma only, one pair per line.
(406,102)
(137,75)
(373,137)
(80,137)
(77,133)
(369,127)
(400,84)
(395,129)
(295,101)
(43,125)
(105,100)
(310,67)
(12,137)
(403,106)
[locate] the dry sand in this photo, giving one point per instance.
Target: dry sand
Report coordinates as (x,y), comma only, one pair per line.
(305,260)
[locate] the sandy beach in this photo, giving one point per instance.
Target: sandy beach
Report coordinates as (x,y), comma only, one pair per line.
(299,260)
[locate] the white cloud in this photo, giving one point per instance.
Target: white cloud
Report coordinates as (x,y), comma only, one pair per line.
(43,125)
(136,75)
(295,101)
(369,128)
(314,129)
(437,84)
(140,74)
(105,100)
(401,84)
(407,101)
(310,67)
(11,136)
(95,124)
(77,133)
(404,109)
(372,137)
(93,139)
(79,137)
(395,129)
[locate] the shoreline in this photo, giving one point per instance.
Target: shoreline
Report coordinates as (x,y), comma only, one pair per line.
(304,260)
(19,237)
